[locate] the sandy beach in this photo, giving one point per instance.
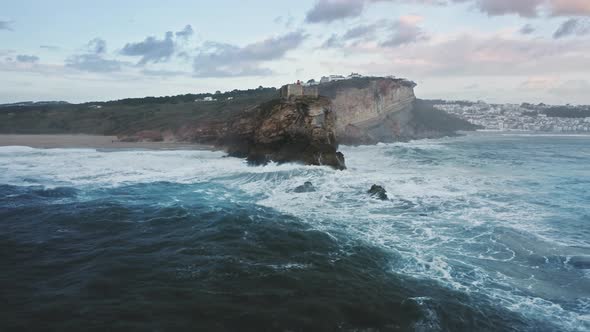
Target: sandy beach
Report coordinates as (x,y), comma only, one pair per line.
(94,142)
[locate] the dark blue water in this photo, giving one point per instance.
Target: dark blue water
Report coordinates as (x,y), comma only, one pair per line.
(481,233)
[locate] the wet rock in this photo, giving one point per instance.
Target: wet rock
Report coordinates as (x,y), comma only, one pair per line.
(378,192)
(307,187)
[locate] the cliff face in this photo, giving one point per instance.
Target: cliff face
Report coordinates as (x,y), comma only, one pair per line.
(300,130)
(372,110)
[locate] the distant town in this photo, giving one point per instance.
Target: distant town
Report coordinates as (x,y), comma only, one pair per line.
(524,117)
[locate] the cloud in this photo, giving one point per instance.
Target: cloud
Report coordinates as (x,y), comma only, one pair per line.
(27,58)
(478,55)
(226,60)
(93,63)
(186,33)
(570,7)
(524,8)
(97,46)
(402,31)
(151,49)
(93,60)
(6,25)
(326,11)
(363,32)
(405,31)
(571,27)
(531,8)
(527,29)
(334,41)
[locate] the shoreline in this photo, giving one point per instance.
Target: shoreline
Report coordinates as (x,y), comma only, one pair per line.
(82,141)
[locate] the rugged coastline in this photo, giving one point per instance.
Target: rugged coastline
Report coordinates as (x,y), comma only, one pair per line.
(258,125)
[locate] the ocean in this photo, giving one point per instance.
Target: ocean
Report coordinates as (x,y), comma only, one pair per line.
(485,232)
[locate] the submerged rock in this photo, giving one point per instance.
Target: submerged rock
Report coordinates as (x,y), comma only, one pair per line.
(580,262)
(378,192)
(307,187)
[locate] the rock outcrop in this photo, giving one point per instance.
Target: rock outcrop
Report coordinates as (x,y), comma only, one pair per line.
(307,187)
(378,192)
(286,130)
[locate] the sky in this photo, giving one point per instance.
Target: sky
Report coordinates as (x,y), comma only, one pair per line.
(502,51)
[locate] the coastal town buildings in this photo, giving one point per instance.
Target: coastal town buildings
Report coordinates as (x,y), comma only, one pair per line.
(513,117)
(334,78)
(206,99)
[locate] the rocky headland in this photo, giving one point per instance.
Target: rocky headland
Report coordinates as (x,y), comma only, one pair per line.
(309,129)
(259,125)
(286,130)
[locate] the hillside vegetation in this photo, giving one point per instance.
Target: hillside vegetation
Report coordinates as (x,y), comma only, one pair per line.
(204,120)
(127,116)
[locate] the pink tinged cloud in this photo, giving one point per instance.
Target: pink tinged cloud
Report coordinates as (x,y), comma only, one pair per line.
(570,7)
(525,8)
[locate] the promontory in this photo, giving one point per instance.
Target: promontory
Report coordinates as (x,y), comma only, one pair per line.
(298,123)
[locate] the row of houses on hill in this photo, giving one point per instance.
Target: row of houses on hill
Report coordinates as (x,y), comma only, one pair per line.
(332,78)
(310,88)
